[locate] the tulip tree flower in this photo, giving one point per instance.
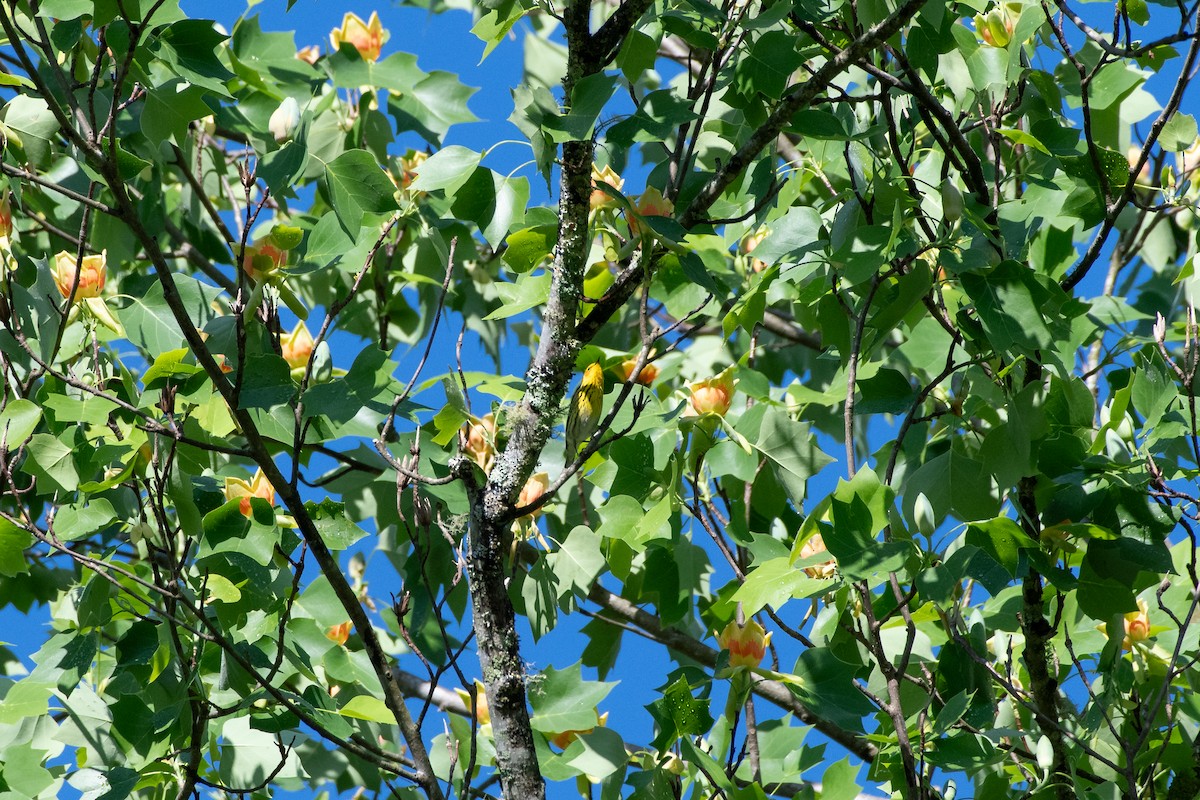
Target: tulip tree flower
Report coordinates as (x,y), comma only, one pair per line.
(533,490)
(608,176)
(310,54)
(480,434)
(6,229)
(84,284)
(645,377)
(1137,626)
(824,570)
(747,644)
(297,347)
(80,282)
(564,739)
(711,396)
(264,261)
(366,37)
(243,490)
(650,204)
(478,707)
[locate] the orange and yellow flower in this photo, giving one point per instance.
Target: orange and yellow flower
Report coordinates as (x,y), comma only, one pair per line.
(339,633)
(366,37)
(747,644)
(297,346)
(563,740)
(5,218)
(650,204)
(263,259)
(241,489)
(91,277)
(711,396)
(814,545)
(645,377)
(606,175)
(481,441)
(533,490)
(1137,626)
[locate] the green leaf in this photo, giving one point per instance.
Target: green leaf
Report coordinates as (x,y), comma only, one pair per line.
(372,709)
(769,65)
(150,324)
(953,484)
(679,714)
(539,592)
(530,247)
(336,530)
(790,447)
(358,186)
(79,520)
(432,106)
(525,293)
(603,753)
(840,781)
(1179,133)
(1002,539)
(52,462)
(579,561)
(18,421)
(859,509)
(563,701)
(168,365)
(791,237)
(397,72)
(266,382)
(448,168)
(1007,306)
(494,203)
(776,581)
(188,47)
(588,99)
(169,108)
(14,542)
(226,530)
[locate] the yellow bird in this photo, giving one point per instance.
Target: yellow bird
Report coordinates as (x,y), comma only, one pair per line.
(586,405)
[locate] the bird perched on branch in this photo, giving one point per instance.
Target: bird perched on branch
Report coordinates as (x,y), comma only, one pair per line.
(586,405)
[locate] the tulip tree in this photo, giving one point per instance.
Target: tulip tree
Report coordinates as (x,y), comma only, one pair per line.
(894,474)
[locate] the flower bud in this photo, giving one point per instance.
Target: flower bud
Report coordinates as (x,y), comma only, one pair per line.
(286,237)
(90,279)
(285,120)
(747,644)
(5,218)
(923,515)
(366,37)
(952,202)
